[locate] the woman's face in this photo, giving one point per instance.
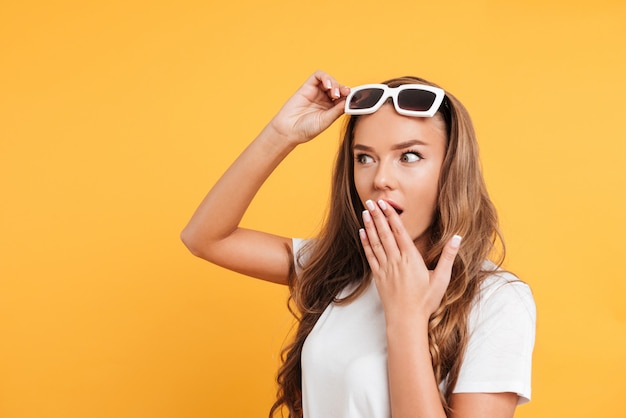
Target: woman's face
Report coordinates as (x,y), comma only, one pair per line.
(398,159)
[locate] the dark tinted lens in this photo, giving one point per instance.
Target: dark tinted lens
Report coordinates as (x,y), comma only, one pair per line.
(365,99)
(416,100)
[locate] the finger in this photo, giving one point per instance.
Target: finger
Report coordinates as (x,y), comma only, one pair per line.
(369,254)
(334,112)
(333,89)
(339,91)
(443,270)
(403,239)
(328,116)
(386,236)
(328,84)
(373,238)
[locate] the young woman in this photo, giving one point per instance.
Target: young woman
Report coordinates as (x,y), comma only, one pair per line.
(400,312)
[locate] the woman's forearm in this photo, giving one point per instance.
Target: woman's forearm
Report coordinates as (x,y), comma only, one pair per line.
(213,233)
(221,211)
(413,388)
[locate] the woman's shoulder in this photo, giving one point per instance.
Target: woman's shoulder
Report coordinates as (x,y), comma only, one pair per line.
(302,248)
(298,243)
(503,291)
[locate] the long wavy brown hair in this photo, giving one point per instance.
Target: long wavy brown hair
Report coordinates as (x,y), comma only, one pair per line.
(335,259)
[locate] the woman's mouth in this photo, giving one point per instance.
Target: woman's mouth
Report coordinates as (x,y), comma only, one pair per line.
(395,207)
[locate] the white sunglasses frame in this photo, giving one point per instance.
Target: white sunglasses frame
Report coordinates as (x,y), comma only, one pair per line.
(393,93)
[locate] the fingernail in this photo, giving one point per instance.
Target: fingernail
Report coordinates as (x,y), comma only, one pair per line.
(328,84)
(456,241)
(366,216)
(336,92)
(382,204)
(362,233)
(370,205)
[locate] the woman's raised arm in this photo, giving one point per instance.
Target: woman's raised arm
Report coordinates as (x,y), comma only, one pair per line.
(213,233)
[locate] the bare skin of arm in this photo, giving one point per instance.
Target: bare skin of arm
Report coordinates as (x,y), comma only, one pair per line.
(213,233)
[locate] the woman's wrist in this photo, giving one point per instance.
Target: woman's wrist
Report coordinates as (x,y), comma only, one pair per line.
(277,139)
(400,326)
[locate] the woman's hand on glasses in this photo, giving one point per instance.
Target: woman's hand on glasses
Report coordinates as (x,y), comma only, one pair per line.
(312,109)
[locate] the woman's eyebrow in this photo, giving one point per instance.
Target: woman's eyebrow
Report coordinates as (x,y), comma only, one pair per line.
(362,147)
(408,144)
(401,145)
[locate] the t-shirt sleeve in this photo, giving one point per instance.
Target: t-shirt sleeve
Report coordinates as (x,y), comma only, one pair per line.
(498,357)
(297,244)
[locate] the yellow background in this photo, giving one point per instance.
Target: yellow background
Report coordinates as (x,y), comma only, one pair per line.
(116,117)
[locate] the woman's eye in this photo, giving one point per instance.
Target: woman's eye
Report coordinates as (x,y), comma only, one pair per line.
(364,159)
(410,157)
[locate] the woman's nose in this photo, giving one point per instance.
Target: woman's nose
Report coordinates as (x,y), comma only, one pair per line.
(385,177)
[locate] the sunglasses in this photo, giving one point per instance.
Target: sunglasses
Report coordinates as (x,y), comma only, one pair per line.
(417,100)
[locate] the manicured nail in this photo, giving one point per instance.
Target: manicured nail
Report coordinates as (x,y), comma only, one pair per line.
(456,241)
(370,205)
(336,92)
(328,84)
(366,216)
(362,233)
(382,204)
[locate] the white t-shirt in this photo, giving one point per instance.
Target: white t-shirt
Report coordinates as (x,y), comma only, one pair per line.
(344,358)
